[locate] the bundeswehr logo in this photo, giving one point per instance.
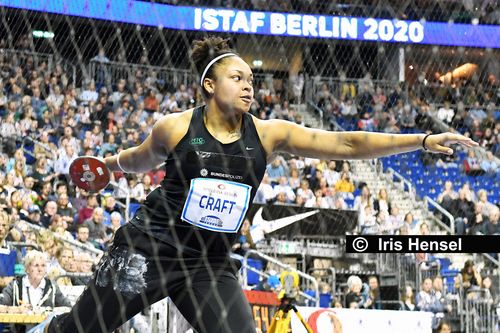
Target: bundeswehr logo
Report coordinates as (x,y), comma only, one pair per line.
(197,141)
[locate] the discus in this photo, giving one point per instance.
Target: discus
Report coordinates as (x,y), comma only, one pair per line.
(89,173)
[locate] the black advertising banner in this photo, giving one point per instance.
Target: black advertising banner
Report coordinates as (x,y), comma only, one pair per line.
(294,221)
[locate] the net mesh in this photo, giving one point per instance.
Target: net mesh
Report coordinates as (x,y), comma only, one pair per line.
(109,82)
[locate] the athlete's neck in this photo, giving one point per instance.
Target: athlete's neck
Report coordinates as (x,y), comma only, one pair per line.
(222,122)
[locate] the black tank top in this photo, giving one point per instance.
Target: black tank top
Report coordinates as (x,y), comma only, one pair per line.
(200,156)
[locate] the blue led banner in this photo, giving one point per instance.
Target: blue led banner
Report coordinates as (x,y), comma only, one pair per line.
(267,23)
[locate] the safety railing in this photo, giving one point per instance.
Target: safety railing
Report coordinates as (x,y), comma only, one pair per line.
(24,244)
(403,181)
(278,263)
(332,274)
(108,72)
(450,228)
(74,243)
(480,312)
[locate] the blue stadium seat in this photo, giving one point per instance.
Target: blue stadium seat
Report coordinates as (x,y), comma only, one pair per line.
(252,277)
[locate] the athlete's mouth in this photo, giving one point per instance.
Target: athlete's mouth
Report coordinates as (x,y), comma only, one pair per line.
(247,98)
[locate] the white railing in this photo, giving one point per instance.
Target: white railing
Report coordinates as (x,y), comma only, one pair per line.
(112,72)
(451,227)
(403,181)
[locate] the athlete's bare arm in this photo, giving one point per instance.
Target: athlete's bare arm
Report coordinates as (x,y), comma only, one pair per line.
(166,134)
(280,135)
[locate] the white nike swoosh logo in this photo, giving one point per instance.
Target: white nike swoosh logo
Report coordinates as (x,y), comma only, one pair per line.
(273,225)
(248,148)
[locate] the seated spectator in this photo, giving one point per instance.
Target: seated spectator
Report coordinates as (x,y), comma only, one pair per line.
(368,222)
(283,187)
(472,166)
(447,162)
(50,210)
(319,201)
(7,254)
(408,299)
(462,210)
(244,241)
(84,264)
(446,113)
(492,227)
(295,179)
(65,258)
(443,327)
(82,235)
(489,293)
(265,192)
(446,198)
(487,206)
(304,192)
(345,185)
(90,204)
(354,298)
(411,223)
(374,293)
(364,199)
(475,113)
(65,210)
(382,203)
(477,224)
(110,206)
(276,170)
(116,221)
(489,165)
(97,230)
(33,290)
(59,227)
(438,287)
(385,225)
(469,277)
(426,299)
(331,174)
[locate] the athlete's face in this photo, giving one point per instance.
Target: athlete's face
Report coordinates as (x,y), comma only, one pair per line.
(233,88)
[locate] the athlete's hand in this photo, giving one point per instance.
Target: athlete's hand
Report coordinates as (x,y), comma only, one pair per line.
(440,143)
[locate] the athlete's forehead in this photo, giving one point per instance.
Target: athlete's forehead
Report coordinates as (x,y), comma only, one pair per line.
(236,64)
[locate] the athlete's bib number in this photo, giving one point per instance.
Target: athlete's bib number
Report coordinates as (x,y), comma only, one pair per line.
(217,205)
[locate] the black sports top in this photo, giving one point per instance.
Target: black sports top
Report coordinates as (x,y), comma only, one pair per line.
(208,183)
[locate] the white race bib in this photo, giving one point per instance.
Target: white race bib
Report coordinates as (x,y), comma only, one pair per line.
(217,205)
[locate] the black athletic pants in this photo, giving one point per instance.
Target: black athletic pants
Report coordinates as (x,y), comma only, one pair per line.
(129,279)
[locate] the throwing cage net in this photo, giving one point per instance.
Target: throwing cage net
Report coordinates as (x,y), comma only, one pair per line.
(91,78)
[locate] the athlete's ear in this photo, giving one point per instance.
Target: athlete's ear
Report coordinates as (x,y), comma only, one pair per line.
(208,84)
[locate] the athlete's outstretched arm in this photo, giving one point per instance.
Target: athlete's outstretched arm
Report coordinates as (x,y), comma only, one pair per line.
(148,155)
(299,140)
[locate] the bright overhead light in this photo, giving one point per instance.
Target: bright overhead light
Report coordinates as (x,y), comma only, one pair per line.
(257,63)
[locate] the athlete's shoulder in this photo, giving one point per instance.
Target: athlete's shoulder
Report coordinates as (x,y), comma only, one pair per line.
(172,127)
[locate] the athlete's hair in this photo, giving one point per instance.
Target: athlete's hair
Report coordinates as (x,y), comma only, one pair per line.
(203,51)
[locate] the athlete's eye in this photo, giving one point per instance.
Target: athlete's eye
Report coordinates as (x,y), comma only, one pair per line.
(236,78)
